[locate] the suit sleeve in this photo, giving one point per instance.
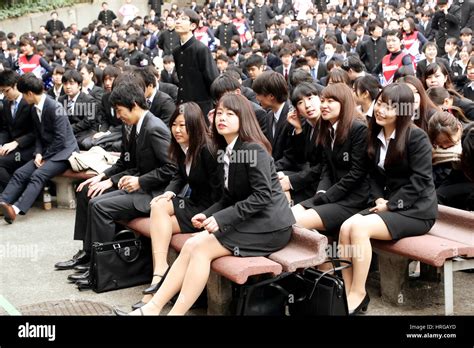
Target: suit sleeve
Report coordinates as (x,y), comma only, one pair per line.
(60,124)
(167,108)
(357,171)
(177,183)
(160,176)
(419,159)
(3,127)
(259,177)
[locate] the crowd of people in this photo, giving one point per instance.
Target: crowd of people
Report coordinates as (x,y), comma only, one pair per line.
(237,119)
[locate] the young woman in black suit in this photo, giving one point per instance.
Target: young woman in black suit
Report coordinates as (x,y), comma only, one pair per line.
(192,150)
(451,140)
(401,185)
(343,188)
(251,219)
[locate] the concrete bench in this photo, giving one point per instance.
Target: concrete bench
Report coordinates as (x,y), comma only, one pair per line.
(305,249)
(449,245)
(65,193)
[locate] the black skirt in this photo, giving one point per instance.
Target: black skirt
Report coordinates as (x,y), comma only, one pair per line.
(184,210)
(254,244)
(332,215)
(401,226)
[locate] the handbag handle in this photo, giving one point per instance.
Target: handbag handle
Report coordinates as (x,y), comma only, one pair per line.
(335,269)
(123,235)
(135,258)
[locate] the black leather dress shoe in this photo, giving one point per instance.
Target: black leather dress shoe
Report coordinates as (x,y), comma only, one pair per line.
(82,268)
(8,212)
(154,287)
(78,276)
(80,258)
(84,284)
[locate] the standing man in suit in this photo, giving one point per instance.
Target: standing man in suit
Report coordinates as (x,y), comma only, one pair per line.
(169,38)
(272,93)
(446,24)
(54,24)
(17,138)
(194,63)
(143,172)
(286,68)
(55,143)
(260,15)
(372,51)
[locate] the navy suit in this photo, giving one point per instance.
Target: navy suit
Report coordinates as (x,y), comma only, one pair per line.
(19,129)
(55,141)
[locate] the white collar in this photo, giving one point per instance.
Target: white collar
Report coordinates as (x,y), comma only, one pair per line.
(18,100)
(334,126)
(152,96)
(370,112)
(140,122)
(381,136)
(182,43)
(75,97)
(230,147)
(40,105)
(471,85)
(278,113)
(90,86)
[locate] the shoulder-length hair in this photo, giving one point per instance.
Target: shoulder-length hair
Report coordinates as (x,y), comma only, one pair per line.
(343,95)
(399,96)
(431,69)
(427,107)
(249,129)
(197,131)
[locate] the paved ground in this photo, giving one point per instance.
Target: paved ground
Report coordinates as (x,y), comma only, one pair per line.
(30,247)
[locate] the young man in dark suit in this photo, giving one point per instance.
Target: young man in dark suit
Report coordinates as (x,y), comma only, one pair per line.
(17,137)
(194,63)
(160,104)
(272,93)
(135,186)
(55,143)
(81,108)
(54,24)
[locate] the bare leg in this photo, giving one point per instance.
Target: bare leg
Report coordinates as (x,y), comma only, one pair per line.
(367,227)
(163,224)
(206,250)
(307,218)
(174,280)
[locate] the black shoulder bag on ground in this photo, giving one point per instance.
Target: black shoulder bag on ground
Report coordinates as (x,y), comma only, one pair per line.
(123,263)
(318,292)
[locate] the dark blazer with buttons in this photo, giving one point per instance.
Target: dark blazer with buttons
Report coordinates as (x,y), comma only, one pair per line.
(153,167)
(20,128)
(55,139)
(203,179)
(408,185)
(97,93)
(163,107)
(254,201)
(196,71)
(344,173)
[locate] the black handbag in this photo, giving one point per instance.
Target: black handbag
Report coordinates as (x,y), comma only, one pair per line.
(316,292)
(265,297)
(123,263)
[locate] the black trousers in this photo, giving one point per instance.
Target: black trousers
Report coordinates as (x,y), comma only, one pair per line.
(28,181)
(10,163)
(105,210)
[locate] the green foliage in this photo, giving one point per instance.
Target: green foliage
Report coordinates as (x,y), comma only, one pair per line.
(23,7)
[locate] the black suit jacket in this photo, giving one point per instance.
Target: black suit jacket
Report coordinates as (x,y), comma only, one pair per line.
(281,141)
(466,106)
(309,155)
(54,25)
(203,179)
(170,89)
(55,139)
(254,201)
(84,118)
(344,173)
(279,69)
(408,185)
(163,107)
(152,165)
(19,129)
(52,95)
(97,93)
(422,65)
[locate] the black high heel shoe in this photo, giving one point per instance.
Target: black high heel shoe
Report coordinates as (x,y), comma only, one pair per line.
(121,313)
(154,287)
(362,307)
(137,305)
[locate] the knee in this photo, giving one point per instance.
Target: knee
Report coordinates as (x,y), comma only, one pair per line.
(39,176)
(160,207)
(345,233)
(189,247)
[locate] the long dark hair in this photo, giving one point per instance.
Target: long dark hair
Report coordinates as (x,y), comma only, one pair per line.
(343,95)
(400,96)
(249,129)
(438,95)
(427,107)
(197,131)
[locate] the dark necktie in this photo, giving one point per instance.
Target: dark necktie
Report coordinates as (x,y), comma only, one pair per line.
(70,106)
(332,135)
